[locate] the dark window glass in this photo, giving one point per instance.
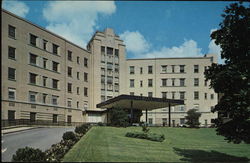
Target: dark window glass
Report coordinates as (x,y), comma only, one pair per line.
(12,52)
(55,66)
(85,76)
(150,82)
(150,69)
(55,83)
(33,78)
(11,73)
(11,115)
(196,68)
(117,52)
(33,59)
(54,118)
(182,68)
(12,31)
(86,62)
(69,55)
(55,48)
(109,51)
(69,87)
(45,44)
(85,91)
(69,71)
(33,39)
(32,117)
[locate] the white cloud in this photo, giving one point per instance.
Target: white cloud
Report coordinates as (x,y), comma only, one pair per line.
(16,7)
(76,20)
(135,42)
(188,49)
(215,49)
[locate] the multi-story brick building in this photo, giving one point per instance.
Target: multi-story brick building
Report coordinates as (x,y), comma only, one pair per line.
(46,78)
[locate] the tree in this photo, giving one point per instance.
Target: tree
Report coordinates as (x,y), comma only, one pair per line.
(232,78)
(193,118)
(119,117)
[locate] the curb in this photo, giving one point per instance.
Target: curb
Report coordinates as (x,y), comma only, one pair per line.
(20,130)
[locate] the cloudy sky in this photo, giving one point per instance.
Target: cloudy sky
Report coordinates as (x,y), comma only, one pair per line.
(149,29)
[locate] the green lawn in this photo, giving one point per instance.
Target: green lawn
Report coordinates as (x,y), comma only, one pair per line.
(108,144)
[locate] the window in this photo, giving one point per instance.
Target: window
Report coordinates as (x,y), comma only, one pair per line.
(196,81)
(182,107)
(55,83)
(132,83)
(78,60)
(55,49)
(164,95)
(77,104)
(69,87)
(173,82)
(12,93)
(11,73)
(12,31)
(77,75)
(150,69)
(54,100)
(141,70)
(109,79)
(102,50)
(164,68)
(182,95)
(54,118)
(33,78)
(150,121)
(77,90)
(173,95)
(69,102)
(69,119)
(86,62)
(11,115)
(141,83)
(85,106)
(173,68)
(70,71)
(85,77)
(132,69)
(102,79)
(45,44)
(182,82)
(12,53)
(182,120)
(109,51)
(196,95)
(205,96)
(164,121)
(45,81)
(45,62)
(182,68)
(132,93)
(33,59)
(150,94)
(69,55)
(212,96)
(32,96)
(44,98)
(150,82)
(163,82)
(196,68)
(85,91)
(33,39)
(55,66)
(32,117)
(117,52)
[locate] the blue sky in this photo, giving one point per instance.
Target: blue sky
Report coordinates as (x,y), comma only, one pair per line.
(149,29)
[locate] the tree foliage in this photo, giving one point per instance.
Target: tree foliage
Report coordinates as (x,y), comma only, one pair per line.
(119,117)
(193,118)
(231,79)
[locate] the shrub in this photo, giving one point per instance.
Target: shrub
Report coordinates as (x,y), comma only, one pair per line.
(29,154)
(119,117)
(149,136)
(81,129)
(100,124)
(69,136)
(145,129)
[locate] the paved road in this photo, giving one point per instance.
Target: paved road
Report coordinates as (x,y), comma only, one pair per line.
(41,138)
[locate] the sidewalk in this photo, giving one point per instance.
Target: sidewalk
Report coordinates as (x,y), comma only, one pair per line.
(17,129)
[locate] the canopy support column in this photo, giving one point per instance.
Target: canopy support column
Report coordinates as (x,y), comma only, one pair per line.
(169,114)
(131,112)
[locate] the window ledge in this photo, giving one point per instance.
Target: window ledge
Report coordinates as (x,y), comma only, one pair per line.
(11,79)
(44,50)
(44,68)
(43,86)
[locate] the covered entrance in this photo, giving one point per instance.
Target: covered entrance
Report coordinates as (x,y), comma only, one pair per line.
(140,103)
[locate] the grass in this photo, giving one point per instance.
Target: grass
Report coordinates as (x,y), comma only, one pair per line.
(109,144)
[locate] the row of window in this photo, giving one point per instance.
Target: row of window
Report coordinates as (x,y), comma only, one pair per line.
(172,95)
(69,104)
(70,88)
(109,51)
(164,69)
(70,58)
(70,74)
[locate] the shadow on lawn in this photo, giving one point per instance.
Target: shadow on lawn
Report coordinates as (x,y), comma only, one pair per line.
(207,156)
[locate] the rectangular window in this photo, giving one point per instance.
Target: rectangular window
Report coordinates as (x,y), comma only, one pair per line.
(212,96)
(55,49)
(54,100)
(33,58)
(196,95)
(55,83)
(54,118)
(182,95)
(45,44)
(173,82)
(182,82)
(164,68)
(103,50)
(32,96)
(11,115)
(12,31)
(69,103)
(102,79)
(196,68)
(32,117)
(109,51)
(150,82)
(163,82)
(150,69)
(205,96)
(12,94)
(77,104)
(85,77)
(182,68)
(173,95)
(85,91)
(78,60)
(141,83)
(132,84)
(45,81)
(150,94)
(12,52)
(86,62)
(164,95)
(11,73)
(69,87)
(70,71)
(182,121)
(45,62)
(132,69)
(141,70)
(44,98)
(173,68)
(33,78)
(150,121)
(33,39)
(69,55)
(196,81)
(55,66)
(78,90)
(110,80)
(69,118)
(78,75)
(117,52)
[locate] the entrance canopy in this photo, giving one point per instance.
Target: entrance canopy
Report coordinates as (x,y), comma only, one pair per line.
(138,102)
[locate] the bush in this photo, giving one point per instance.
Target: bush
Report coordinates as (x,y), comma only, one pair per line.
(145,129)
(149,136)
(100,124)
(81,129)
(119,117)
(29,154)
(69,136)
